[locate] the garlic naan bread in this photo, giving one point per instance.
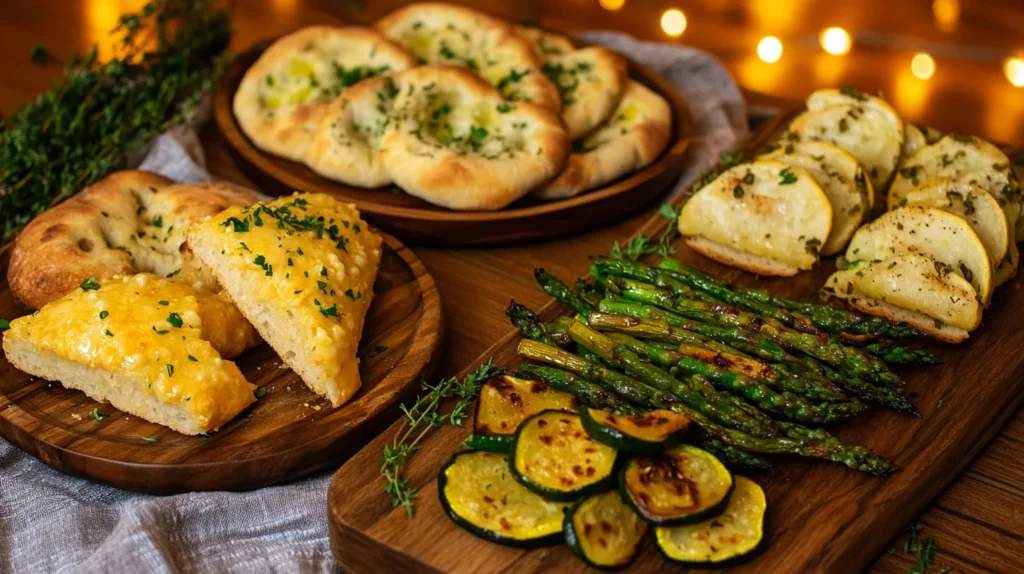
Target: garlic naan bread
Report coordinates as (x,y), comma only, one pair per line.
(633,137)
(283,97)
(590,83)
(455,142)
(444,34)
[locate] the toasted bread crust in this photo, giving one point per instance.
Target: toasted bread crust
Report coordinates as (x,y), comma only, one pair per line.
(95,233)
(736,258)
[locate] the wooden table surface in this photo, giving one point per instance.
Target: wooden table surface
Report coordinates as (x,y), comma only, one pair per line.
(978,522)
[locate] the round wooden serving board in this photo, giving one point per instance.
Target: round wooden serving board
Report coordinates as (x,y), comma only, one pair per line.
(416,220)
(288,433)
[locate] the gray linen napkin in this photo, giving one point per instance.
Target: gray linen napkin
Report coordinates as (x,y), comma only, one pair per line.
(50,522)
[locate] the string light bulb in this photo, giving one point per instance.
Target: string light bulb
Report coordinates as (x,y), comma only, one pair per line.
(673,22)
(835,41)
(1014,70)
(612,5)
(923,66)
(769,49)
(947,14)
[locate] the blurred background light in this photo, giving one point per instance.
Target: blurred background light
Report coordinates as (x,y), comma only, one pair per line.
(947,14)
(835,41)
(923,66)
(769,49)
(611,4)
(673,22)
(1014,70)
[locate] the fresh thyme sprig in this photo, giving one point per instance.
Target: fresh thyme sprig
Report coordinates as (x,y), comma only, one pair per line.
(422,416)
(168,55)
(924,552)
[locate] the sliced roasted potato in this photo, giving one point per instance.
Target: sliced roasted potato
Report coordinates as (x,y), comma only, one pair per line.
(913,140)
(765,216)
(931,135)
(865,131)
(979,208)
(840,177)
(914,289)
(847,96)
(927,231)
(965,159)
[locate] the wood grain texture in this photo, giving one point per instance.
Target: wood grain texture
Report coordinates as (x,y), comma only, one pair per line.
(414,219)
(288,433)
(821,518)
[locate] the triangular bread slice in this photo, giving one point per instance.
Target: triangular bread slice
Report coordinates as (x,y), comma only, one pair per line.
(301,269)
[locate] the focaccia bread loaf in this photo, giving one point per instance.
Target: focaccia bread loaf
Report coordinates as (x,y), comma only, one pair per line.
(301,269)
(126,223)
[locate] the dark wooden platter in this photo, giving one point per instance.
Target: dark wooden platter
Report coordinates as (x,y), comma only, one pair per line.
(288,433)
(413,219)
(822,517)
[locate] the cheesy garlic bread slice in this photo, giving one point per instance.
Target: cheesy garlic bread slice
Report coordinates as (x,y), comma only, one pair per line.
(150,346)
(301,269)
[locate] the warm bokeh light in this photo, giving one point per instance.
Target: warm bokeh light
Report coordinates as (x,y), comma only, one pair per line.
(673,22)
(947,14)
(835,41)
(769,49)
(1014,70)
(922,65)
(612,5)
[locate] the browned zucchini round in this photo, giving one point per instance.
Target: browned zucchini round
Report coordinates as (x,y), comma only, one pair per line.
(480,495)
(553,456)
(682,485)
(646,433)
(725,539)
(604,531)
(505,401)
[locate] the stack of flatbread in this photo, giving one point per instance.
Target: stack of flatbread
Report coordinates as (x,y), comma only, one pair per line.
(453,106)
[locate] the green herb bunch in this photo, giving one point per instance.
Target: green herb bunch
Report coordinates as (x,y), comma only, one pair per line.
(424,415)
(168,55)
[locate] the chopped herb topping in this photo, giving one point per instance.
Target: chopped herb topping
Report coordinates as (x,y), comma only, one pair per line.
(259,392)
(151,439)
(175,320)
(4,324)
(788,177)
(170,370)
(108,333)
(193,359)
(164,303)
(158,221)
(90,284)
(96,414)
(173,273)
(104,313)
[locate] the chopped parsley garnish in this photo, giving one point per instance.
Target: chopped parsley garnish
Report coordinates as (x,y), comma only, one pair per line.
(4,324)
(331,311)
(261,262)
(170,370)
(504,108)
(160,331)
(351,295)
(240,224)
(476,137)
(150,439)
(108,333)
(104,313)
(175,320)
(173,273)
(193,359)
(246,247)
(788,177)
(158,221)
(164,303)
(90,284)
(96,414)
(321,285)
(299,251)
(259,392)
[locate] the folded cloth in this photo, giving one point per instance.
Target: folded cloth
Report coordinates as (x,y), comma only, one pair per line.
(50,522)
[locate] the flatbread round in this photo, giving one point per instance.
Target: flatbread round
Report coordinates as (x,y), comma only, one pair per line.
(964,159)
(284,95)
(590,84)
(841,178)
(346,145)
(765,216)
(864,131)
(455,142)
(438,33)
(126,223)
(633,137)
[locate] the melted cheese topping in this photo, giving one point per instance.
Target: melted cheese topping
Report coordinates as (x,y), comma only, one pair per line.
(311,254)
(162,333)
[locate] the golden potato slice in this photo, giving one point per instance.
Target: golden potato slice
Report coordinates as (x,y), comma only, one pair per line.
(847,96)
(865,131)
(927,231)
(979,208)
(964,159)
(840,177)
(913,289)
(765,216)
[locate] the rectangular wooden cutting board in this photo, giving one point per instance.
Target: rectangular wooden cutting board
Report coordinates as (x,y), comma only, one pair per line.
(822,517)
